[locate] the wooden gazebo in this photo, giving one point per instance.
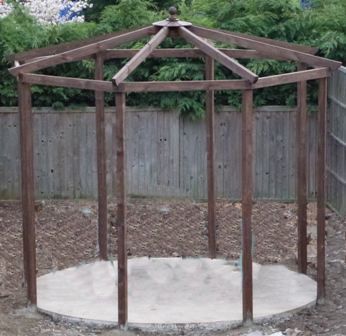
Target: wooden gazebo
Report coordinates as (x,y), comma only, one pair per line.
(310,67)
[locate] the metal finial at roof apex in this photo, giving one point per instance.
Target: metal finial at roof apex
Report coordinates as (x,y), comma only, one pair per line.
(172,21)
(173,13)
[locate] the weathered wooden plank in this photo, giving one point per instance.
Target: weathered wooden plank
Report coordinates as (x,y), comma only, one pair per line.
(77,83)
(58,147)
(221,148)
(179,86)
(292,77)
(267,153)
(259,157)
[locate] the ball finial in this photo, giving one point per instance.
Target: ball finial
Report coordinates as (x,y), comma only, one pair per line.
(173,13)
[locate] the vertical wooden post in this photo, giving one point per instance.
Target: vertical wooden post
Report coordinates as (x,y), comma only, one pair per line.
(121,209)
(301,185)
(101,162)
(247,191)
(210,121)
(321,192)
(27,180)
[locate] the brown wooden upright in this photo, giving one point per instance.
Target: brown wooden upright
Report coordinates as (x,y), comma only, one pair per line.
(302,184)
(210,121)
(247,191)
(321,189)
(101,162)
(121,209)
(27,181)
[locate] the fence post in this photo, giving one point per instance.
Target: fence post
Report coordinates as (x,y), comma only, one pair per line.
(101,162)
(210,120)
(121,209)
(247,192)
(27,180)
(321,186)
(301,183)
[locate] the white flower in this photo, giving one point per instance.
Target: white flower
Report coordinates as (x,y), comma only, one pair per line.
(52,11)
(5,9)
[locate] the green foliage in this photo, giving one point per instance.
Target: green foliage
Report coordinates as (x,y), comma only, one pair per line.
(94,13)
(127,14)
(323,26)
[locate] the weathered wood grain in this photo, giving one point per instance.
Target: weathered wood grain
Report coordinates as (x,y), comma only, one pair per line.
(336,139)
(65,153)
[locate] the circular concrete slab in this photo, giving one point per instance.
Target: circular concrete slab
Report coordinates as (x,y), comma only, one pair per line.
(171,292)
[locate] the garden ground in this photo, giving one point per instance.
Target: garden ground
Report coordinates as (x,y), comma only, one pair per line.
(67,235)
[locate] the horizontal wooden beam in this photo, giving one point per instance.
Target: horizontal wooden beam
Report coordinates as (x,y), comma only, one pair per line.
(182,53)
(59,48)
(293,77)
(77,83)
(140,57)
(80,53)
(179,86)
(266,49)
(217,55)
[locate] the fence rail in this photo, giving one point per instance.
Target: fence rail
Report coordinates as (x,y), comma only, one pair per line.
(336,150)
(166,154)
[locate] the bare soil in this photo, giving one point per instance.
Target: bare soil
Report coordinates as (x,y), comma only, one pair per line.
(67,235)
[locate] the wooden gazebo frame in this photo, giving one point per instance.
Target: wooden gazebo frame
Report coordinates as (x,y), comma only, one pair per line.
(101,48)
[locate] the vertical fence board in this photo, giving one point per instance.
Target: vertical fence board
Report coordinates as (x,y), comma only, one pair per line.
(336,142)
(65,156)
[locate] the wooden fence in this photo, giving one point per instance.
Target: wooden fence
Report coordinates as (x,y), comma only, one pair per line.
(336,151)
(166,154)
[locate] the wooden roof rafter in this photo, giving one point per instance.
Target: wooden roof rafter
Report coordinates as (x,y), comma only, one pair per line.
(217,55)
(266,49)
(140,56)
(82,52)
(198,36)
(28,55)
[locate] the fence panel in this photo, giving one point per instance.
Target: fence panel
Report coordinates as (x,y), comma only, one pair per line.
(336,153)
(166,154)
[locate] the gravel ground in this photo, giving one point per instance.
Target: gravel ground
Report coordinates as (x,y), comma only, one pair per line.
(66,236)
